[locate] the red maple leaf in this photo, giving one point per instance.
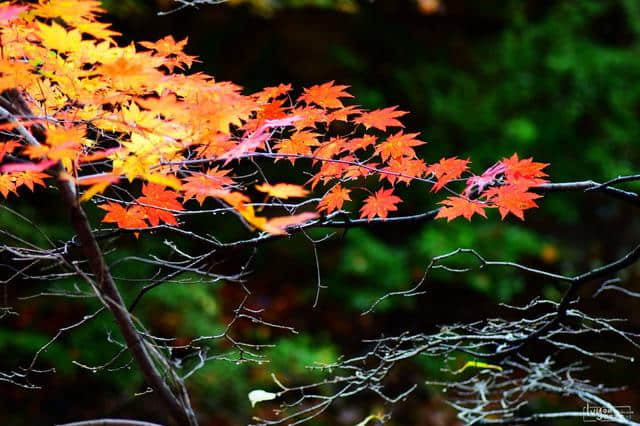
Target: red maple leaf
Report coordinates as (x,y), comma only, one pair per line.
(156,195)
(379,204)
(273,110)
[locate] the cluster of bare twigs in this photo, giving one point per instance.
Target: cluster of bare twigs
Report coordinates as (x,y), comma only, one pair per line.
(493,393)
(500,392)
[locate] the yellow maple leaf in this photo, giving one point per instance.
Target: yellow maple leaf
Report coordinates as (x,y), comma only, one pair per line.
(57,38)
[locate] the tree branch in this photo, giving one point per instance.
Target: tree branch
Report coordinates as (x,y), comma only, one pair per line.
(113,422)
(109,293)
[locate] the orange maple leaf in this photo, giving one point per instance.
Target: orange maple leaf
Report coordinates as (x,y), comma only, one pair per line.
(330,170)
(7,184)
(132,73)
(352,145)
(15,74)
(334,199)
(97,155)
(330,148)
(235,199)
(167,104)
(98,184)
(309,116)
(283,190)
(166,46)
(408,168)
(379,204)
(30,178)
(381,118)
(343,114)
(399,145)
(512,199)
(215,145)
(203,185)
(524,172)
(96,179)
(7,148)
(132,217)
(355,171)
(271,92)
(326,95)
(279,225)
(63,144)
(446,170)
(460,206)
(299,143)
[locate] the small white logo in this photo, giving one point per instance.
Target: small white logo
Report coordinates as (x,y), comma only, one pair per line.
(597,413)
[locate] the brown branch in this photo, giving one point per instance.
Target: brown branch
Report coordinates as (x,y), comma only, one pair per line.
(112,422)
(109,293)
(589,185)
(113,299)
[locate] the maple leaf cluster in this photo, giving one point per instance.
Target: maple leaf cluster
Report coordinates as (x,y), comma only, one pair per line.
(504,186)
(114,115)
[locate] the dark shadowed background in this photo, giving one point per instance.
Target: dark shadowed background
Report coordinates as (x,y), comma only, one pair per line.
(556,80)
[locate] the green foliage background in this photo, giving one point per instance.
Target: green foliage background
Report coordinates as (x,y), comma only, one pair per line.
(556,80)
